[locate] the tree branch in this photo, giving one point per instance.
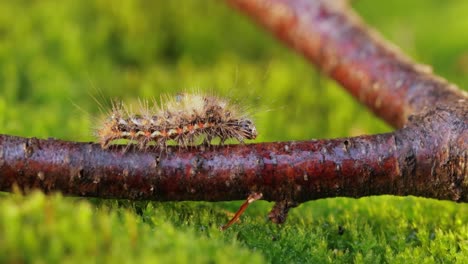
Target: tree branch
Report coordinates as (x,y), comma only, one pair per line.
(426,157)
(334,38)
(400,163)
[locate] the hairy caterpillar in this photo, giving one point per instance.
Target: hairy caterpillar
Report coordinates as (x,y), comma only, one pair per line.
(187,119)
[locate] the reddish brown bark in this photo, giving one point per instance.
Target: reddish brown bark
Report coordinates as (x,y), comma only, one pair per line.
(426,157)
(331,36)
(399,163)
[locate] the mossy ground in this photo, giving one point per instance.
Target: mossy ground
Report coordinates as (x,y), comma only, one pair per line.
(55,56)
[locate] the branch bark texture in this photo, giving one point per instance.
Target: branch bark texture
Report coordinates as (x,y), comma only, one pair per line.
(426,156)
(334,38)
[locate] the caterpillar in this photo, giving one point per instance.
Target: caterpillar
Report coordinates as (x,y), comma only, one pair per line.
(187,119)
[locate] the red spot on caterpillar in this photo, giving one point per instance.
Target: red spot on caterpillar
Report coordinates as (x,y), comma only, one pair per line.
(190,128)
(186,119)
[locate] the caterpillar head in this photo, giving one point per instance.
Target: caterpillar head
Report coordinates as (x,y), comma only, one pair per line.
(247,129)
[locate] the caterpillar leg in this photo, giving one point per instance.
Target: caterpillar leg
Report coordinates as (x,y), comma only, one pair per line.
(162,145)
(105,143)
(143,144)
(207,140)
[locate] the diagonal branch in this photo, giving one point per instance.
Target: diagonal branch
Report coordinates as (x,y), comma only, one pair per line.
(426,157)
(334,38)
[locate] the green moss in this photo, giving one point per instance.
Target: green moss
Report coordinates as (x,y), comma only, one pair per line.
(59,57)
(38,228)
(45,229)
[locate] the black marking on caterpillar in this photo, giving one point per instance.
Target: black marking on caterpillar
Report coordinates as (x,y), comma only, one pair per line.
(186,119)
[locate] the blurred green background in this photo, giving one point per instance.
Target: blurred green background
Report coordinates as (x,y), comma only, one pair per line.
(57,57)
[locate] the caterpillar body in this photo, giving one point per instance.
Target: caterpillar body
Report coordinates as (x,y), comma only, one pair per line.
(187,119)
